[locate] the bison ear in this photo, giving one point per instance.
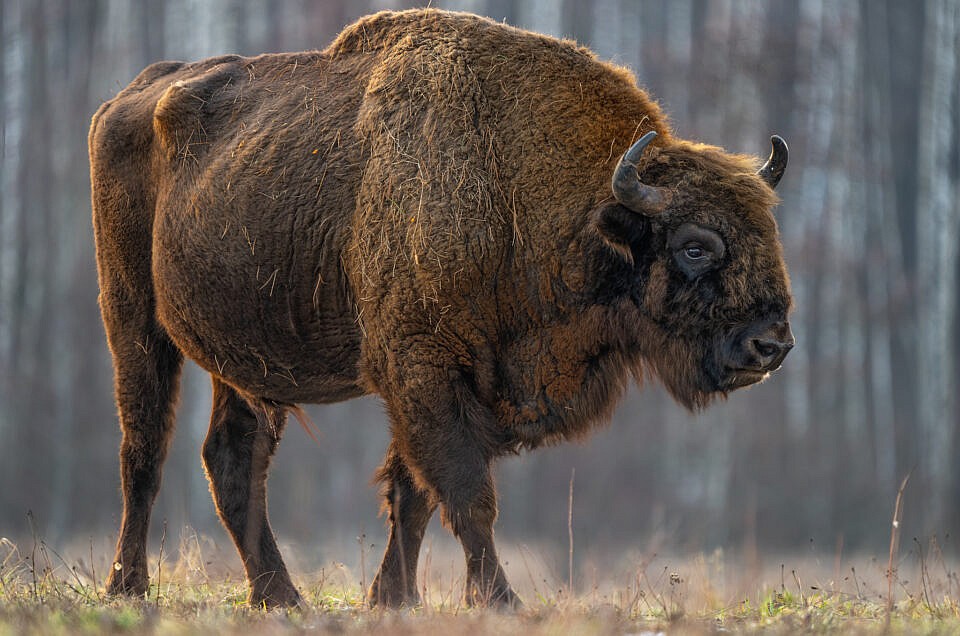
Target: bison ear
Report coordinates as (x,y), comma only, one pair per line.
(621,229)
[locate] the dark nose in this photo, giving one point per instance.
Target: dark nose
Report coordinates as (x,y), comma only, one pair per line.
(769,347)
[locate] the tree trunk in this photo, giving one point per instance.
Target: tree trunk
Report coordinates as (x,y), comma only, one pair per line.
(938,232)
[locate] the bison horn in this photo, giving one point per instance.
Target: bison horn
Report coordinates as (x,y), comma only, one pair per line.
(627,187)
(776,164)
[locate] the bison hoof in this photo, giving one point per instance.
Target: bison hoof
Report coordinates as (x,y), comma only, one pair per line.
(127,583)
(274,598)
(500,598)
(387,597)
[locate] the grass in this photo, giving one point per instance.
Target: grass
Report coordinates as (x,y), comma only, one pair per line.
(44,593)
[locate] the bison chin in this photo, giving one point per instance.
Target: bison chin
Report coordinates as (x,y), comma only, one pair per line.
(692,374)
(699,389)
(700,371)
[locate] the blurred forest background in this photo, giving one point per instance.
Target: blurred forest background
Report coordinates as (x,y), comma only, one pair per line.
(867,94)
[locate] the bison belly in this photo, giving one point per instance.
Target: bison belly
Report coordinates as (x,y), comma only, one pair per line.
(252,300)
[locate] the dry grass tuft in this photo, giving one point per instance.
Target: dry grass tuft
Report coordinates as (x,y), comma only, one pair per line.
(43,592)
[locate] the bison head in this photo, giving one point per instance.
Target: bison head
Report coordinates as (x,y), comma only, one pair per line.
(702,263)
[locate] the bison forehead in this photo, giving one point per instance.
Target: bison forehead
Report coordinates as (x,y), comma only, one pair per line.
(710,182)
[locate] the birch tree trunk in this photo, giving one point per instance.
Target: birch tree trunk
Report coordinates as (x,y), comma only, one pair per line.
(938,233)
(884,260)
(12,52)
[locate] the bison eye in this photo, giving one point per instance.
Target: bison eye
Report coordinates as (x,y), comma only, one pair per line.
(696,249)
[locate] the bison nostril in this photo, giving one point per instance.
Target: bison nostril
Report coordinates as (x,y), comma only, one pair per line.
(770,352)
(765,348)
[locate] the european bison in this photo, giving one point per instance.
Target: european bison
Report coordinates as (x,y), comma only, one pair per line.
(438,209)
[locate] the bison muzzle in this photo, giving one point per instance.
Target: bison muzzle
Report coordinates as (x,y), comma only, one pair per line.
(445,211)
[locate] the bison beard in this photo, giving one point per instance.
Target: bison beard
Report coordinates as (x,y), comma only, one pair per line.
(438,209)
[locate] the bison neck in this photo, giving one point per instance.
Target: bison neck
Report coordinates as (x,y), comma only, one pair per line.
(561,381)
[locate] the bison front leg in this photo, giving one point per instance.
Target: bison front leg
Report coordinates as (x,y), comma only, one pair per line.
(409,509)
(236,454)
(445,437)
(471,518)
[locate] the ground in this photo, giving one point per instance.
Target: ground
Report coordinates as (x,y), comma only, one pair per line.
(42,592)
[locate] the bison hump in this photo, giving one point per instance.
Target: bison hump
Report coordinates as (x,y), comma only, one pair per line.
(191,110)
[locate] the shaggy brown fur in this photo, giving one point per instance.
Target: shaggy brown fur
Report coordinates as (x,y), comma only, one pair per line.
(423,210)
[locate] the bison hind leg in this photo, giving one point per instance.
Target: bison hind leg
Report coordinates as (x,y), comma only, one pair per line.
(147,368)
(236,454)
